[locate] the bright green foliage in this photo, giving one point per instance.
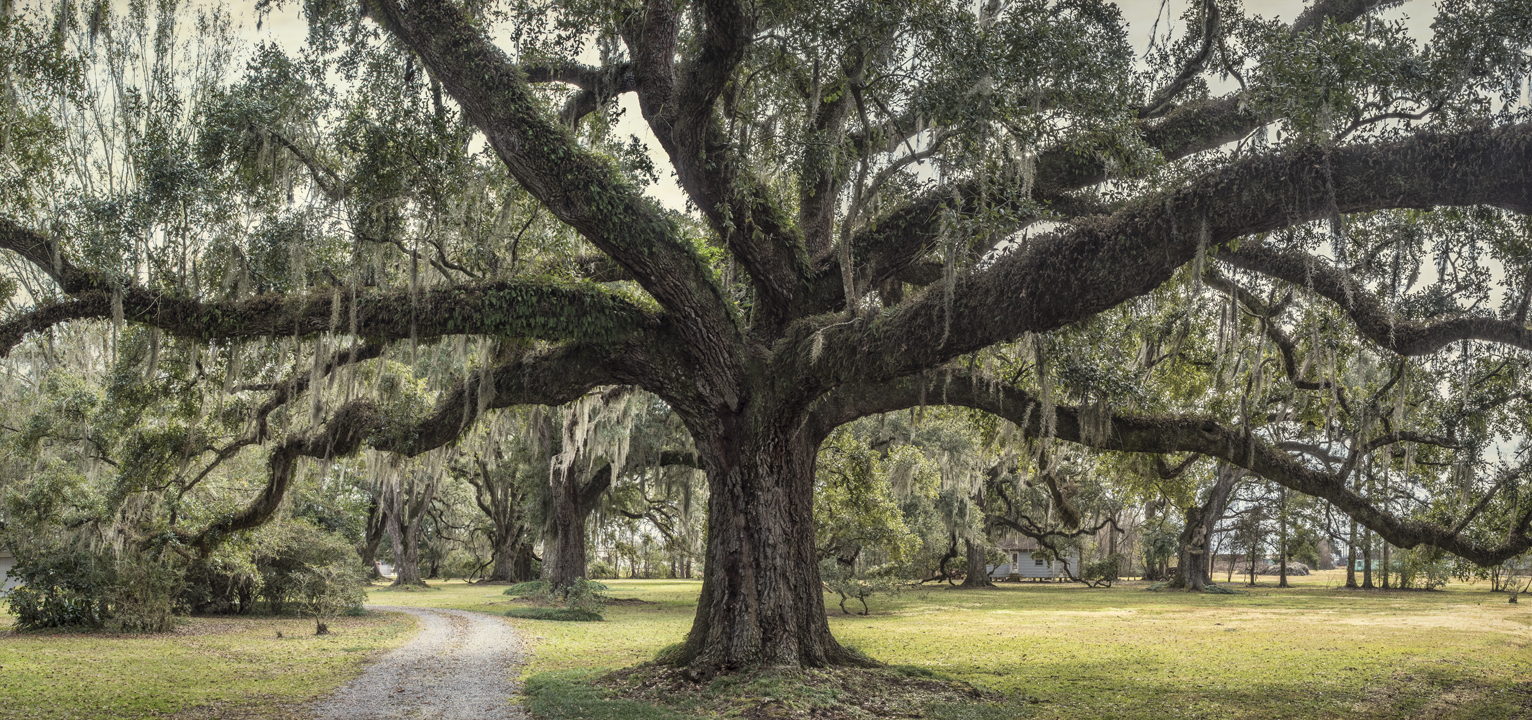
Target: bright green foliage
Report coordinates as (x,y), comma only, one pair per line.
(856,501)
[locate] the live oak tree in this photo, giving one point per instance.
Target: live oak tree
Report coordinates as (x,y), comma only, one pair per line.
(884,193)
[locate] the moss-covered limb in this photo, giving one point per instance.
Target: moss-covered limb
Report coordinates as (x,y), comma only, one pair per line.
(581,189)
(45,316)
(1339,11)
(512,308)
(586,77)
(597,85)
(41,250)
(551,377)
(1159,435)
(1373,320)
(281,394)
(906,233)
(1079,271)
(821,171)
(1193,127)
(341,436)
(678,102)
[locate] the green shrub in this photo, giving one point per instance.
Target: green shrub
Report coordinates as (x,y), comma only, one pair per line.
(601,570)
(328,590)
(546,613)
(585,596)
(1101,573)
(524,589)
(290,553)
(59,588)
(221,585)
(850,585)
(143,597)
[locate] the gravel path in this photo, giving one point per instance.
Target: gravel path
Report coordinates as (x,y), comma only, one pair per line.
(461,666)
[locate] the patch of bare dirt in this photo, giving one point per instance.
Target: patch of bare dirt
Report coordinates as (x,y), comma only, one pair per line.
(809,694)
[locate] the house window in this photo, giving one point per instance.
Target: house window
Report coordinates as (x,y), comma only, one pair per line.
(1039,562)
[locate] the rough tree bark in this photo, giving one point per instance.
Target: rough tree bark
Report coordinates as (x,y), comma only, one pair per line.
(978,566)
(572,497)
(1282,539)
(407,503)
(1195,570)
(372,536)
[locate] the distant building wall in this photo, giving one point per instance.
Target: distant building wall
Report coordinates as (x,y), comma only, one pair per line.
(7,561)
(1028,566)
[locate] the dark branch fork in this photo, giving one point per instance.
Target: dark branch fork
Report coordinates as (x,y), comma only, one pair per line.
(1082,270)
(904,235)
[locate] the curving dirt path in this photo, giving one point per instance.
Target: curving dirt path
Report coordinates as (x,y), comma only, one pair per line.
(461,666)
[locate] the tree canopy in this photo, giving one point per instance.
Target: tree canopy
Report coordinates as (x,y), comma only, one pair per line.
(1298,247)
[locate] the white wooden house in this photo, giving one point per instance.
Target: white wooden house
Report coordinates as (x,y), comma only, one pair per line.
(7,561)
(1026,563)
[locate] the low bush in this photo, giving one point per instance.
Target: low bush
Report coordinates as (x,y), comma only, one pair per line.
(554,613)
(59,588)
(586,596)
(328,590)
(526,589)
(849,585)
(583,598)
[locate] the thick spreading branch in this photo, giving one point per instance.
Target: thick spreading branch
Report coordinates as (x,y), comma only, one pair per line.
(1158,435)
(906,233)
(1374,321)
(506,309)
(679,104)
(553,377)
(1193,67)
(1070,275)
(577,186)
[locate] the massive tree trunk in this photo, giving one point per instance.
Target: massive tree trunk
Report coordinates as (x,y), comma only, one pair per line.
(501,499)
(978,567)
(372,536)
(1351,557)
(1282,540)
(762,601)
(564,549)
(1195,569)
(510,557)
(572,498)
(406,513)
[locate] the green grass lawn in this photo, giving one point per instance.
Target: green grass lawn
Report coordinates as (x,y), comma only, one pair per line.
(1313,651)
(208,667)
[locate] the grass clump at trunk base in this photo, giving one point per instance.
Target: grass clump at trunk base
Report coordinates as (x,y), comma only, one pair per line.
(553,613)
(661,691)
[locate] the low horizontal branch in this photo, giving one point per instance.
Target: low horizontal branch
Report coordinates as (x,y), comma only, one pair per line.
(508,308)
(1156,435)
(1373,320)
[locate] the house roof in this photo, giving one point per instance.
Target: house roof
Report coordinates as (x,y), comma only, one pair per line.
(1013,544)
